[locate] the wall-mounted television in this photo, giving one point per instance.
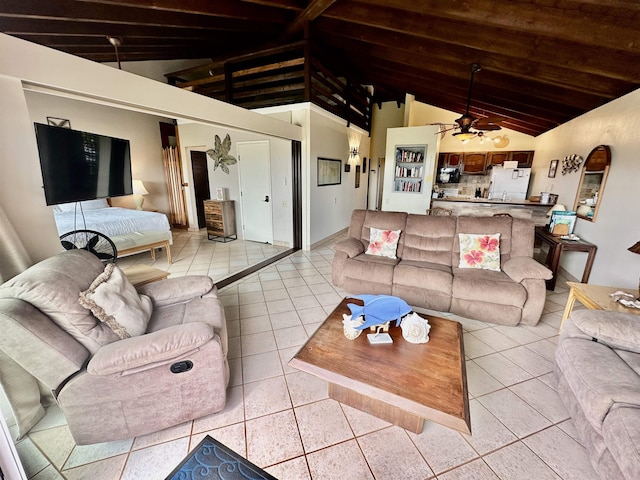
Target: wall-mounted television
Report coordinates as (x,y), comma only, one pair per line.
(79,166)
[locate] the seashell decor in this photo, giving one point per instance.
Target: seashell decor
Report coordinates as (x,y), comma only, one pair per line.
(415,329)
(349,326)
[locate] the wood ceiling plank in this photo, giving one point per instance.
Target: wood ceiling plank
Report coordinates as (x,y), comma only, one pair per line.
(314,9)
(553,63)
(615,28)
(61,12)
(596,60)
(217,8)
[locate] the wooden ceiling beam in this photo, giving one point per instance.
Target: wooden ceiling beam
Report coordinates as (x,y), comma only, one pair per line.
(65,12)
(516,66)
(314,9)
(615,28)
(595,60)
(219,8)
(409,62)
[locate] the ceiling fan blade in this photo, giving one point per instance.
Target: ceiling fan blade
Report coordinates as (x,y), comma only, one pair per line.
(489,127)
(492,120)
(92,242)
(68,245)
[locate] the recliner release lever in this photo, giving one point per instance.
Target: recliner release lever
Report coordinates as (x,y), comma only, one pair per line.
(180,367)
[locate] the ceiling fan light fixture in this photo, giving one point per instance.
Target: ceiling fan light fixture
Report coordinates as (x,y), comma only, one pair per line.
(465,136)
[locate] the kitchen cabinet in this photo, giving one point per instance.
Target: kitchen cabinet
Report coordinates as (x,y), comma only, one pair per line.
(524,158)
(474,163)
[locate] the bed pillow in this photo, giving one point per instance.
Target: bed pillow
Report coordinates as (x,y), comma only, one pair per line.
(86,205)
(95,204)
(480,251)
(113,299)
(383,243)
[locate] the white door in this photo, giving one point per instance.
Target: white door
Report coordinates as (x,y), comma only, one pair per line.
(255,191)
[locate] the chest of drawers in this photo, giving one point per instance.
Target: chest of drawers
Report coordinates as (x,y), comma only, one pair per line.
(221,220)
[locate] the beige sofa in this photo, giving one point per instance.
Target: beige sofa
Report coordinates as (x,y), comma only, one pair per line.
(426,271)
(597,365)
(53,350)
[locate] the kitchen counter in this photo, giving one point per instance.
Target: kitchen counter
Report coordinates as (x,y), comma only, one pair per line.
(497,201)
(483,207)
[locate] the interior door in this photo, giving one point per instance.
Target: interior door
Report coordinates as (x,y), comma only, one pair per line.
(200,184)
(255,191)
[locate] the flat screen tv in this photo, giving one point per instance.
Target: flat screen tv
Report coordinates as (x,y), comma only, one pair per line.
(79,166)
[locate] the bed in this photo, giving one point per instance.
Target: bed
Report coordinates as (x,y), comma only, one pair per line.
(132,231)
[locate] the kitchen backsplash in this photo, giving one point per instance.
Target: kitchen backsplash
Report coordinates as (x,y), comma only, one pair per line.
(468,185)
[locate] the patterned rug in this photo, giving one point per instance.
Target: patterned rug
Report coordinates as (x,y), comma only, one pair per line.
(211,460)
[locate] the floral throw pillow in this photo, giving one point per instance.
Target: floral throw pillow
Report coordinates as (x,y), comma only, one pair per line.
(383,243)
(480,251)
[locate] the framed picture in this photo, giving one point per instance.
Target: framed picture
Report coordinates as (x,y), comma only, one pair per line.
(220,193)
(329,172)
(357,176)
(364,164)
(553,167)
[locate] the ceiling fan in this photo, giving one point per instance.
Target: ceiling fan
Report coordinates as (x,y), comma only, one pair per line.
(469,125)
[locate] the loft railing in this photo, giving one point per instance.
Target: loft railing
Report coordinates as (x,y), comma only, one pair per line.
(279,76)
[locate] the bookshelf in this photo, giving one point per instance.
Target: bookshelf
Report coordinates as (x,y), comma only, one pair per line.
(409,168)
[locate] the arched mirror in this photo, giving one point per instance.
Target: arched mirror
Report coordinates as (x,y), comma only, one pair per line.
(592,180)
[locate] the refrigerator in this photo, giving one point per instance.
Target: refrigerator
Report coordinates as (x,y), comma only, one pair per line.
(509,183)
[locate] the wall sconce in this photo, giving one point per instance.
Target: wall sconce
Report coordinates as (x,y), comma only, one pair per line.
(354,152)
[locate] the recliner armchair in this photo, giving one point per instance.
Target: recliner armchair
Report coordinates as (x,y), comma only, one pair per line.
(108,388)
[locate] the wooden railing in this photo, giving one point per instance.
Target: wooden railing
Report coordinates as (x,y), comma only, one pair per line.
(279,76)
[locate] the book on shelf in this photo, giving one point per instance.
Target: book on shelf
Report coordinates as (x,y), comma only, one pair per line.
(562,222)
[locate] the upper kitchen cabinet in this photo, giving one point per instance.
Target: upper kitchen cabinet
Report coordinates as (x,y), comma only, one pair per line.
(524,158)
(474,163)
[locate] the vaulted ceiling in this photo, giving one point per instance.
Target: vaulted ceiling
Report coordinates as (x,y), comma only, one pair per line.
(544,62)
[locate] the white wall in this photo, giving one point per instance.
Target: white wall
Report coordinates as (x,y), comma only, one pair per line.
(331,205)
(617,226)
(142,131)
(156,70)
(199,137)
(390,115)
(405,201)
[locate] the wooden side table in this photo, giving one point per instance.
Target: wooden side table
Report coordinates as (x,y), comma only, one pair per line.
(142,274)
(557,246)
(595,297)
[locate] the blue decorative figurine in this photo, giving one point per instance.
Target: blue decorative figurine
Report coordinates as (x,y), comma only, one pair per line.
(379,309)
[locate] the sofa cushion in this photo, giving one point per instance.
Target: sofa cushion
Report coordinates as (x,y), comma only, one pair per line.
(616,330)
(598,378)
(480,251)
(383,243)
(369,274)
(621,431)
(487,286)
(53,285)
(429,238)
(431,276)
(114,300)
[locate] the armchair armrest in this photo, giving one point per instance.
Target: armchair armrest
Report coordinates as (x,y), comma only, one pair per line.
(177,290)
(149,350)
(614,329)
(521,268)
(351,246)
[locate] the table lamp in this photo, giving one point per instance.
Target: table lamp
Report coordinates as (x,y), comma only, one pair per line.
(635,248)
(138,192)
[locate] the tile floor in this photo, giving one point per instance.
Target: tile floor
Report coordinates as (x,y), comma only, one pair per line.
(282,420)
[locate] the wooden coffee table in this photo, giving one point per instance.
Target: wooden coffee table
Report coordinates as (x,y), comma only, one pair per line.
(402,383)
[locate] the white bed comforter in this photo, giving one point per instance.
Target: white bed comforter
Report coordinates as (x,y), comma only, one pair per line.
(112,221)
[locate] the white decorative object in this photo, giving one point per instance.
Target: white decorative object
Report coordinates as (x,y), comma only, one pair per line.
(349,326)
(220,194)
(415,329)
(138,191)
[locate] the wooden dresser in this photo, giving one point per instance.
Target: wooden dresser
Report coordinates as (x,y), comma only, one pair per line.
(221,220)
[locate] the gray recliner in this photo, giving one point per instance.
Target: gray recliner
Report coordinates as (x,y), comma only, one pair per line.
(53,349)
